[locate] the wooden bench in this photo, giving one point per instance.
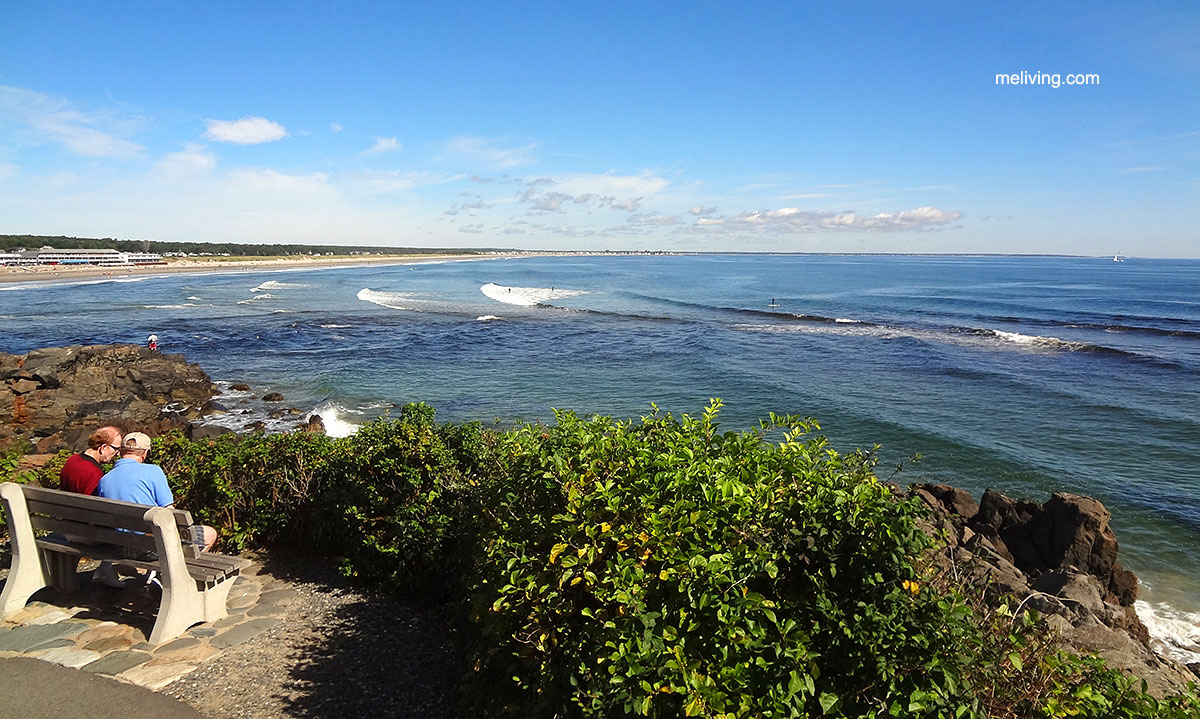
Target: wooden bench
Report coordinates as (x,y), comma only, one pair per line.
(195,584)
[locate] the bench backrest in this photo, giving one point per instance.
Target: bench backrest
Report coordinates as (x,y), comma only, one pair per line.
(99,520)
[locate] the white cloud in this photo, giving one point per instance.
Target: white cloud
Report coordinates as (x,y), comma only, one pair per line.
(630,205)
(478,149)
(246,131)
(382,182)
(788,220)
(642,184)
(701,211)
(192,158)
(384,144)
(53,120)
(656,220)
(335,127)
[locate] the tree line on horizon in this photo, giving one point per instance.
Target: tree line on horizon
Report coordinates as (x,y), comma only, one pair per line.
(9,242)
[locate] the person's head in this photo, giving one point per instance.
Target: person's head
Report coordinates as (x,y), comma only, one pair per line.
(136,445)
(105,443)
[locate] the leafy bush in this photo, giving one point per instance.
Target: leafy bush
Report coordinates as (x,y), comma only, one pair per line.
(652,568)
(665,568)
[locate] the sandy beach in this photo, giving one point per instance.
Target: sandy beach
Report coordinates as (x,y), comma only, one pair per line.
(49,273)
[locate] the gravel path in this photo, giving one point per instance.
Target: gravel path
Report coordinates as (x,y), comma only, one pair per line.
(342,651)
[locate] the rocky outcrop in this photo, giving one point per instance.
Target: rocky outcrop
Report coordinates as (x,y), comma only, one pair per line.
(55,397)
(1058,558)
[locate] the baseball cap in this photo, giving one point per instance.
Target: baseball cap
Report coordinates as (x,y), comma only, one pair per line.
(135,440)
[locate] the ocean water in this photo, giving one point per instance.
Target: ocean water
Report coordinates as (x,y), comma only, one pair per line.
(1029,375)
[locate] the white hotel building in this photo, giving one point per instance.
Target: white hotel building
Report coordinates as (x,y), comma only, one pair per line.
(102,258)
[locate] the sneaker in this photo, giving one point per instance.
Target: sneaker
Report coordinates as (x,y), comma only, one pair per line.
(153,578)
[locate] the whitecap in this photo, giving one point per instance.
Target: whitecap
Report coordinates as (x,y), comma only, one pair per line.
(256,298)
(334,327)
(274,285)
(391,300)
(333,415)
(193,297)
(486,318)
(526,296)
(1173,633)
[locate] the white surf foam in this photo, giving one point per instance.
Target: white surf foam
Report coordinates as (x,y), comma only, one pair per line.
(391,300)
(193,297)
(1034,340)
(334,417)
(334,327)
(526,296)
(1173,633)
(486,318)
(274,285)
(256,298)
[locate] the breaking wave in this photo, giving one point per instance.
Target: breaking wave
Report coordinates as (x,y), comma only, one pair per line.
(274,285)
(391,300)
(526,296)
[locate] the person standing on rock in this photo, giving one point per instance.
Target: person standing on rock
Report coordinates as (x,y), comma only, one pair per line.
(82,472)
(132,480)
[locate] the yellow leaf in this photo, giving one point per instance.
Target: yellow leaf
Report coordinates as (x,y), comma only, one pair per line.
(557,550)
(605,527)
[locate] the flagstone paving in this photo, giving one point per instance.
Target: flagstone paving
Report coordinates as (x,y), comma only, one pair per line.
(103,630)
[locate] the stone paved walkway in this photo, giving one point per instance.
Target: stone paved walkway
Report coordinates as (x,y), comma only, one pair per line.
(103,630)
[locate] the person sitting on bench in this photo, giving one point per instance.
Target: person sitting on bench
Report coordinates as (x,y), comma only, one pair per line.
(132,480)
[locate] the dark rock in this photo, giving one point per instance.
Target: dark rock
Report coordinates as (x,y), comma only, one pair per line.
(56,396)
(259,426)
(207,431)
(272,397)
(277,413)
(951,500)
(315,425)
(1194,667)
(211,408)
(240,387)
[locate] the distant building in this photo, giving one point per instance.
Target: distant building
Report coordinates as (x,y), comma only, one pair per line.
(102,258)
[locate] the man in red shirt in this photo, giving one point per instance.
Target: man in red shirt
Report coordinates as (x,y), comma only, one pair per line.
(82,471)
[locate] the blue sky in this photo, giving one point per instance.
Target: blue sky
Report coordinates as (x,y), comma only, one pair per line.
(848,127)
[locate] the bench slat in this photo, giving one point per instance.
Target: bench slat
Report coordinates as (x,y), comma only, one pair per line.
(129,517)
(95,534)
(85,501)
(97,518)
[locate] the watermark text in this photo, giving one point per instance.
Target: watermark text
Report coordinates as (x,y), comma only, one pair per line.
(1050,79)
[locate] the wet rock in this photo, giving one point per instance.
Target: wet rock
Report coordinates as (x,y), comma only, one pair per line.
(207,431)
(314,425)
(56,396)
(272,397)
(240,387)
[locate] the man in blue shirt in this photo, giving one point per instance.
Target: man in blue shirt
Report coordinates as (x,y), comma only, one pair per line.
(132,480)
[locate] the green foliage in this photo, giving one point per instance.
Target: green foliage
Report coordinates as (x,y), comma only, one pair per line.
(254,489)
(396,498)
(665,568)
(653,568)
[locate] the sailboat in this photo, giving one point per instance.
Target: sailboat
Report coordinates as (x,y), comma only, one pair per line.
(1117,257)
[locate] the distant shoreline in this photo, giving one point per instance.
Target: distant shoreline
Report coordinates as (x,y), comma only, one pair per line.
(55,273)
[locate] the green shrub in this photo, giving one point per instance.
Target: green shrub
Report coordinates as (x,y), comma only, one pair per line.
(397,495)
(254,489)
(665,568)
